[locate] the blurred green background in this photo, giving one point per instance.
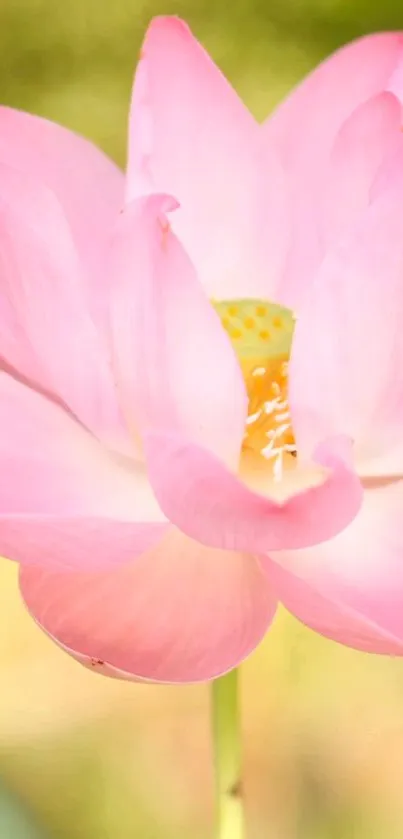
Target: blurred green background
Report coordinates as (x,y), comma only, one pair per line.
(89,758)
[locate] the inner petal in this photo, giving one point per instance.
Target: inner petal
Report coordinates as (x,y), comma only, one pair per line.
(261,333)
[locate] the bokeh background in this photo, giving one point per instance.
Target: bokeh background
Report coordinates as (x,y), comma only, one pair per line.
(82,757)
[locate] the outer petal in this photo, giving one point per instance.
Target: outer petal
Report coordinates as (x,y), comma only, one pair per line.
(351,588)
(64,500)
(209,503)
(181,613)
(367,139)
(346,369)
(390,173)
(88,185)
(302,132)
(175,364)
(339,191)
(191,136)
(306,248)
(46,331)
(303,128)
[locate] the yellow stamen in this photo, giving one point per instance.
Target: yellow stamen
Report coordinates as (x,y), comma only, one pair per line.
(263,349)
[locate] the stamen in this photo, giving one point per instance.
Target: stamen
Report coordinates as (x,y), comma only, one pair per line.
(261,334)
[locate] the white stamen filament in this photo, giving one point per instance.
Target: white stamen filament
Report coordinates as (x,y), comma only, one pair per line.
(253,417)
(282,419)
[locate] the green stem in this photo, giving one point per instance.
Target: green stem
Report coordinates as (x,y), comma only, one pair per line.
(227,757)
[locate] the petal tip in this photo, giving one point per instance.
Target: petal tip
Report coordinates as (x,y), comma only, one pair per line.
(165,24)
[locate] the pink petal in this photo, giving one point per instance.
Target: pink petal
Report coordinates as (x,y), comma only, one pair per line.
(46,331)
(302,132)
(191,137)
(180,613)
(395,81)
(351,588)
(390,173)
(305,251)
(64,500)
(174,361)
(88,185)
(209,503)
(346,369)
(367,138)
(304,127)
(320,213)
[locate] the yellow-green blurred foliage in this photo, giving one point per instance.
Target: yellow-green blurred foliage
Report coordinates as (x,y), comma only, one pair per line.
(323,726)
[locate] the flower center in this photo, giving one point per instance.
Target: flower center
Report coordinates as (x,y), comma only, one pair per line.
(261,334)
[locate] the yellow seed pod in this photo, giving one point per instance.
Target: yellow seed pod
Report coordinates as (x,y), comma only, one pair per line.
(258,329)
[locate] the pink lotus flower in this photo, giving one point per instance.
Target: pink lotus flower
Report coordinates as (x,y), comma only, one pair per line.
(150,419)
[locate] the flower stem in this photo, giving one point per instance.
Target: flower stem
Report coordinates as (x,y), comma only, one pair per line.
(227,757)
